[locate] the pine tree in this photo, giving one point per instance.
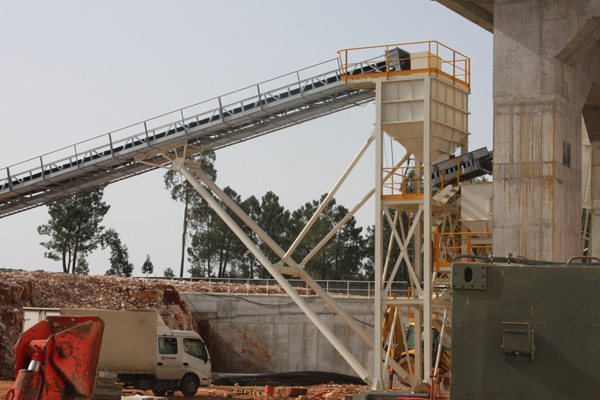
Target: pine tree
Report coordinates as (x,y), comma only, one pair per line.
(181,190)
(74,227)
(119,255)
(248,265)
(344,256)
(169,273)
(215,250)
(82,268)
(274,219)
(148,267)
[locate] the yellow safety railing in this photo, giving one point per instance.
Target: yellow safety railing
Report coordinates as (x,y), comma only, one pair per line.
(452,177)
(407,182)
(441,60)
(404,183)
(451,244)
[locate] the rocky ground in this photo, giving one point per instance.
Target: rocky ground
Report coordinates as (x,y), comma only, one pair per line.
(319,392)
(20,289)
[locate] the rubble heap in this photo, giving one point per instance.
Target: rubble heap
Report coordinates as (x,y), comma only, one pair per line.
(20,289)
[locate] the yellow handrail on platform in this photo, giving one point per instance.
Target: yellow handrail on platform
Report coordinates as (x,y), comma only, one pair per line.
(447,62)
(404,183)
(450,244)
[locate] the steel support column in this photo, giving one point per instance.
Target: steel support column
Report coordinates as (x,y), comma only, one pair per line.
(294,269)
(427,288)
(377,365)
(178,165)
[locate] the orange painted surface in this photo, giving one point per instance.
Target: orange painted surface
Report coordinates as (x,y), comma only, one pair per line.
(67,349)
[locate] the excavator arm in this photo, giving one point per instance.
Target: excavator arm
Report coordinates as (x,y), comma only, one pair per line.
(57,359)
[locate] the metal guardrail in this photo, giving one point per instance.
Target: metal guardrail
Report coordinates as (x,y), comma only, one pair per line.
(232,118)
(145,134)
(334,288)
(433,57)
(404,183)
(447,245)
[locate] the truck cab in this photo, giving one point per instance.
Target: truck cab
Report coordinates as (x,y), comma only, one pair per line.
(182,361)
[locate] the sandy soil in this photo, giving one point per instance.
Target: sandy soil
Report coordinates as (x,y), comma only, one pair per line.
(235,392)
(5,386)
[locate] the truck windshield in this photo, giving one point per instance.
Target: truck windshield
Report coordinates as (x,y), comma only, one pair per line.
(195,348)
(167,345)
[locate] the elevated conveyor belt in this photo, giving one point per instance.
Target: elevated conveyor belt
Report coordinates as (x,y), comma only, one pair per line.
(467,166)
(110,158)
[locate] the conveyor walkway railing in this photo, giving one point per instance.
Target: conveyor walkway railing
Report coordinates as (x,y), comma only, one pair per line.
(213,124)
(269,286)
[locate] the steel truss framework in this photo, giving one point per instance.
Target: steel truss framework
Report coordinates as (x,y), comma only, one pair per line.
(181,161)
(180,158)
(413,308)
(423,105)
(427,213)
(173,146)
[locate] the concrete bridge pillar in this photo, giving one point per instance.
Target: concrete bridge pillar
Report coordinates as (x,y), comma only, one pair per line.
(591,115)
(546,58)
(594,244)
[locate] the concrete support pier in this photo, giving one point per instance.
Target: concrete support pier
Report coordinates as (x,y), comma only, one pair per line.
(546,61)
(594,244)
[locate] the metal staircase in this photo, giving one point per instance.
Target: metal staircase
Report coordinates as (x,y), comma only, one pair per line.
(111,157)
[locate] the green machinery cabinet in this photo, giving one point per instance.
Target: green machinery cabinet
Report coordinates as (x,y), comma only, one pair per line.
(525,332)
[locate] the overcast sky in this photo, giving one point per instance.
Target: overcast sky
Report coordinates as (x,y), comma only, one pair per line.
(72,70)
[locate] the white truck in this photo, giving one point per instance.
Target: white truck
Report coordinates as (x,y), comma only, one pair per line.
(143,352)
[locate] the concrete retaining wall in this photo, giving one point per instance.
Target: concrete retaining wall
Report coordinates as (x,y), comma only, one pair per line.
(272,334)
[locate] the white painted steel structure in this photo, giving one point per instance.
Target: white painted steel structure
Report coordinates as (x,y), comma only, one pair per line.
(437,138)
(233,118)
(192,172)
(425,112)
(405,114)
(424,109)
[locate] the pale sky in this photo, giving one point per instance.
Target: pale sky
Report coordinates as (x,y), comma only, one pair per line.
(72,70)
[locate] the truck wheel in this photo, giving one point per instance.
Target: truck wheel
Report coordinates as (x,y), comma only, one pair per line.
(189,386)
(159,392)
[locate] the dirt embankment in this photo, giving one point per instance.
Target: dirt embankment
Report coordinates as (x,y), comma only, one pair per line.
(20,289)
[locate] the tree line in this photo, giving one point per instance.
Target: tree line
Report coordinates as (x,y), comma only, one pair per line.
(213,250)
(210,248)
(75,231)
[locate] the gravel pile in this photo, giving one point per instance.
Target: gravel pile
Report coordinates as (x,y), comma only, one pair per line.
(20,289)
